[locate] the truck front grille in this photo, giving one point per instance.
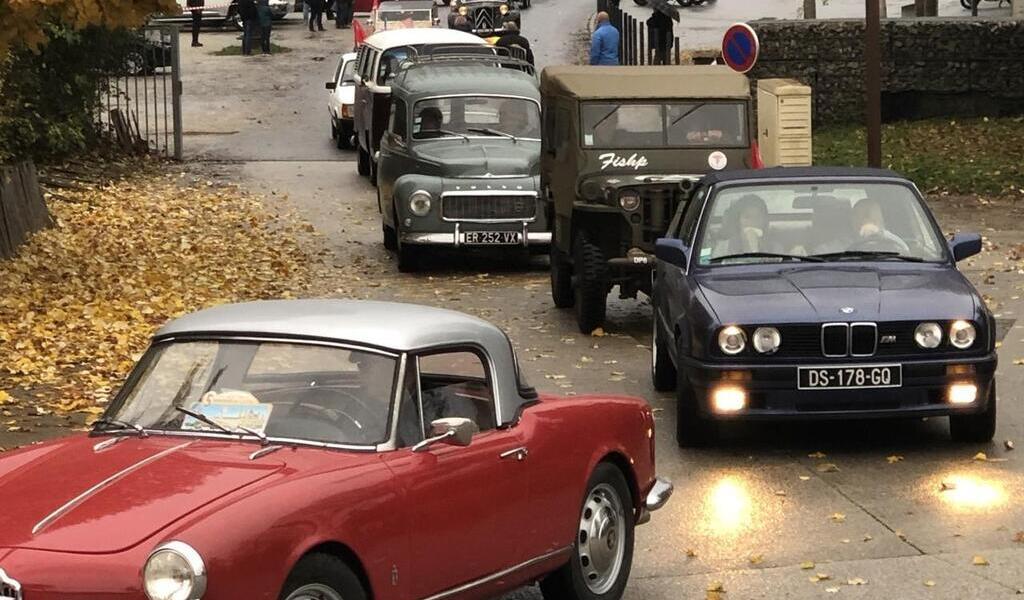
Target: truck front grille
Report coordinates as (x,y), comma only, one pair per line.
(484,17)
(489,208)
(659,206)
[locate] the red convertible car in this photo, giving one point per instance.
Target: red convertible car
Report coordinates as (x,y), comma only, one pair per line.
(331,450)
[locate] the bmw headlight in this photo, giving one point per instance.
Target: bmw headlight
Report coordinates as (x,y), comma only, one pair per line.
(767,340)
(962,334)
(629,200)
(928,335)
(419,203)
(174,571)
(503,9)
(732,340)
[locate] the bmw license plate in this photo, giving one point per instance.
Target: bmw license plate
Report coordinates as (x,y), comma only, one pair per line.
(849,377)
(492,238)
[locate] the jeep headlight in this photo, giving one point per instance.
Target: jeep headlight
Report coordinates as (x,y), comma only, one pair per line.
(503,9)
(732,340)
(419,203)
(962,334)
(629,200)
(928,335)
(174,571)
(767,340)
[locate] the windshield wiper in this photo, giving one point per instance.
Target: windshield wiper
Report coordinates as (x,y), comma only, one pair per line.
(494,132)
(453,134)
(204,419)
(264,440)
(718,259)
(869,254)
(108,424)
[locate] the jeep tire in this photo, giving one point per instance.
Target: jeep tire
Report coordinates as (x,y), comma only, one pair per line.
(561,279)
(591,283)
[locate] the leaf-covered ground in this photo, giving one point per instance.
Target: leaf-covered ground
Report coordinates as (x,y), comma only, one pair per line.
(956,156)
(81,300)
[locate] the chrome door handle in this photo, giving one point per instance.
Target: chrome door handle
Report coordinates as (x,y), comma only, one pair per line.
(519,454)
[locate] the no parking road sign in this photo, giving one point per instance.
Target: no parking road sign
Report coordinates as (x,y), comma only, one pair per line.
(740,47)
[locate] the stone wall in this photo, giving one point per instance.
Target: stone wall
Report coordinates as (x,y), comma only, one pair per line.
(930,67)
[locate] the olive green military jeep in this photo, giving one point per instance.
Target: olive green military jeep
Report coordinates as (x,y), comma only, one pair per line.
(622,149)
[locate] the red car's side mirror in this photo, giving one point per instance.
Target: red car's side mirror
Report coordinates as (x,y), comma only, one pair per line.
(455,431)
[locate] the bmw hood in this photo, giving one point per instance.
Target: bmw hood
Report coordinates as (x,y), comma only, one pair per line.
(69,496)
(813,294)
(500,157)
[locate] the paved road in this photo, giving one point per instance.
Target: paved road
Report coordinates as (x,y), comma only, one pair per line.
(747,513)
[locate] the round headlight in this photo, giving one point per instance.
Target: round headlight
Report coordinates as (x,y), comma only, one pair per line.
(419,203)
(732,340)
(463,10)
(503,9)
(767,340)
(629,200)
(174,571)
(928,335)
(962,334)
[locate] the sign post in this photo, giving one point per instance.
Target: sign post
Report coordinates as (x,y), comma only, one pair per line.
(740,47)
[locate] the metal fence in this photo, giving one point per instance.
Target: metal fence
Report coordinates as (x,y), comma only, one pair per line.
(141,100)
(638,43)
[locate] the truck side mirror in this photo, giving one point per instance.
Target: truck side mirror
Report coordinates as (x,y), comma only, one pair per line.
(672,251)
(965,245)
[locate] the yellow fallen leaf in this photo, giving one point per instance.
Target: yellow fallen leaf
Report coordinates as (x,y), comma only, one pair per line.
(895,458)
(599,332)
(819,577)
(716,586)
(805,478)
(757,559)
(929,583)
(832,590)
(807,565)
(979,561)
(1008,444)
(856,581)
(827,468)
(4,397)
(817,455)
(981,457)
(691,553)
(868,537)
(1019,537)
(837,517)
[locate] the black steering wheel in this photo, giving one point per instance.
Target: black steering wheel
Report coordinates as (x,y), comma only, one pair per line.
(876,242)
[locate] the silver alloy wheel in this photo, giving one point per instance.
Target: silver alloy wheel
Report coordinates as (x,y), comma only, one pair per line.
(314,591)
(600,546)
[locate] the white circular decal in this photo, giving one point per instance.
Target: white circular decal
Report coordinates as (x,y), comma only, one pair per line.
(718,161)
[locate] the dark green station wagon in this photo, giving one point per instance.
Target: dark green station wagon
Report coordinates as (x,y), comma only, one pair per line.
(460,161)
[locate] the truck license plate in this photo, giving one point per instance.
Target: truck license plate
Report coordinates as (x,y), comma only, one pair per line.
(849,377)
(492,238)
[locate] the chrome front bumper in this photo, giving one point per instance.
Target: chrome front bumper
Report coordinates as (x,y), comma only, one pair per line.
(657,497)
(457,238)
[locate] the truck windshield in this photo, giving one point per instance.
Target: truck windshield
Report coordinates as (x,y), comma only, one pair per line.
(477,116)
(665,125)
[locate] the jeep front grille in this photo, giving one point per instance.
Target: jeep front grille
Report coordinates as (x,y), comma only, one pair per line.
(9,588)
(498,207)
(483,17)
(659,206)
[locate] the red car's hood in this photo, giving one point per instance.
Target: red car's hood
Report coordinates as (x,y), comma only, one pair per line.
(66,496)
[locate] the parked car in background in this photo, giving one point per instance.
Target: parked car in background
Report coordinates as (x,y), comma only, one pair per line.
(152,51)
(486,17)
(379,59)
(331,449)
(819,293)
(220,15)
(623,147)
(341,101)
(404,14)
(460,161)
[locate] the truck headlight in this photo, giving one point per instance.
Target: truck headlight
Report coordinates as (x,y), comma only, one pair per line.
(962,334)
(732,340)
(928,335)
(629,200)
(503,9)
(419,203)
(767,340)
(174,571)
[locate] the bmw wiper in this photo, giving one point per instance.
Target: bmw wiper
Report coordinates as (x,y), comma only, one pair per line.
(114,424)
(877,254)
(204,419)
(742,255)
(495,132)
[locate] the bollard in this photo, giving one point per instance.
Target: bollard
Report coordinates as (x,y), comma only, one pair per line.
(643,47)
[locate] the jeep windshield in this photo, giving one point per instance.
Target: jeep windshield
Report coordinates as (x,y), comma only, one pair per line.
(665,125)
(477,117)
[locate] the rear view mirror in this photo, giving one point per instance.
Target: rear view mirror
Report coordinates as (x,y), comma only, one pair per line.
(672,251)
(965,245)
(330,85)
(455,431)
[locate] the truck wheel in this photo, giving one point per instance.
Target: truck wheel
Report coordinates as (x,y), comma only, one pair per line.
(663,372)
(362,161)
(561,279)
(603,551)
(390,235)
(976,428)
(408,255)
(591,271)
(322,577)
(692,429)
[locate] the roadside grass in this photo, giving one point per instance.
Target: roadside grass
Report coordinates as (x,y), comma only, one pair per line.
(237,50)
(955,156)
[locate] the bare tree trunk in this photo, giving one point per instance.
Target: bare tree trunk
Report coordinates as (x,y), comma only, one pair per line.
(810,9)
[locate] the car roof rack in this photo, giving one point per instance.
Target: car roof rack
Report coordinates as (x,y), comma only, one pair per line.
(449,54)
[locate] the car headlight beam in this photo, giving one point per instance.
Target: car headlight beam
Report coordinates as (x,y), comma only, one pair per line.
(767,340)
(174,571)
(732,340)
(928,335)
(419,203)
(962,334)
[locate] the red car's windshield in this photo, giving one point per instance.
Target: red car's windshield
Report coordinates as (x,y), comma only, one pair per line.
(283,390)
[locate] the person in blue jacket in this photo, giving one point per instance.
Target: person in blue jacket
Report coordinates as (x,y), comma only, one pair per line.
(604,44)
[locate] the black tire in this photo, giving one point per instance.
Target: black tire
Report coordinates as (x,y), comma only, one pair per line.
(324,570)
(663,372)
(568,583)
(591,285)
(977,428)
(362,161)
(561,279)
(373,172)
(390,235)
(692,429)
(344,138)
(408,255)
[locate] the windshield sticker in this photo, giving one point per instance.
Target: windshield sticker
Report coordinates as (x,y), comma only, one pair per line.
(718,161)
(636,161)
(231,416)
(588,139)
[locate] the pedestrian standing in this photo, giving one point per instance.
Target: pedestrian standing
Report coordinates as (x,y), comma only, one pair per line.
(344,13)
(250,24)
(266,19)
(604,43)
(515,42)
(316,14)
(659,28)
(196,6)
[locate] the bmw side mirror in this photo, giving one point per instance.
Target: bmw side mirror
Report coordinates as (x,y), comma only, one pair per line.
(672,251)
(331,85)
(965,245)
(455,431)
